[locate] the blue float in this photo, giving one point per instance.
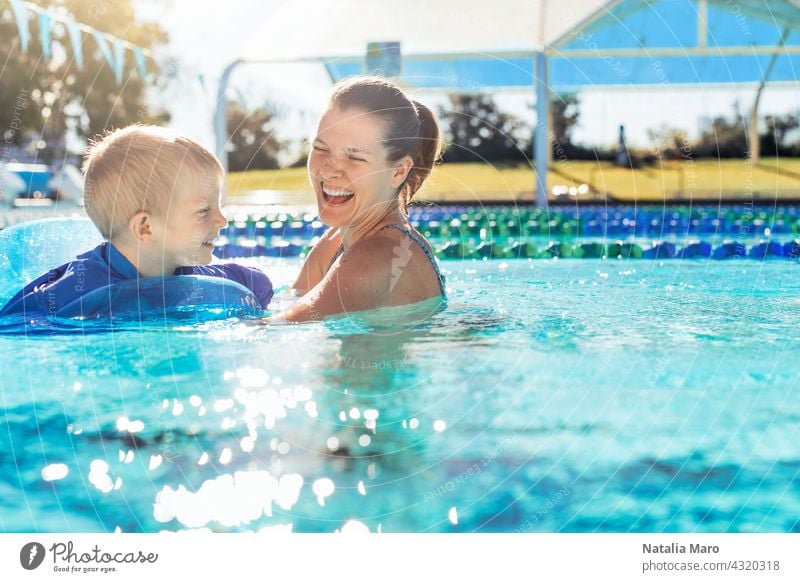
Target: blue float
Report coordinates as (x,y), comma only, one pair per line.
(729,251)
(30,249)
(791,250)
(698,250)
(240,251)
(767,250)
(191,297)
(665,250)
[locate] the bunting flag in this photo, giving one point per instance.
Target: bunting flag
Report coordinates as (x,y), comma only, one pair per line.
(45,29)
(138,53)
(105,50)
(75,38)
(20,11)
(119,60)
(111,48)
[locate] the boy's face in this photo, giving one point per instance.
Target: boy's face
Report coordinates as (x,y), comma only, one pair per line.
(185,231)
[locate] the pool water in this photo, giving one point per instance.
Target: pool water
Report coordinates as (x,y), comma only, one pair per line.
(576,396)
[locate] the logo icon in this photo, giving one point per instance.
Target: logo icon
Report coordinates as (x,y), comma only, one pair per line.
(32,555)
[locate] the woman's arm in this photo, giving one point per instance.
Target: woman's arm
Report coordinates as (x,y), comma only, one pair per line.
(317,261)
(359,281)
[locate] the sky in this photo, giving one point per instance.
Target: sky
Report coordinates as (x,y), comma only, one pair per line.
(206,37)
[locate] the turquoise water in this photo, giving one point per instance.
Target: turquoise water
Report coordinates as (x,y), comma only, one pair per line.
(572,396)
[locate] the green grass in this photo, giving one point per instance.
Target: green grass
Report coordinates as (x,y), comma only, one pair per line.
(287,179)
(685,180)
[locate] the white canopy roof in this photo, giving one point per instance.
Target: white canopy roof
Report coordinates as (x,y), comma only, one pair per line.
(317,29)
(492,43)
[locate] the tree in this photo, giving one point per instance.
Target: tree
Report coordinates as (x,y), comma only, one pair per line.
(60,97)
(252,142)
(565,114)
(671,144)
(779,129)
(475,130)
(20,111)
(722,138)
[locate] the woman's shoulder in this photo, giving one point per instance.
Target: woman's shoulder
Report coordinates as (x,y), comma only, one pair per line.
(393,262)
(318,260)
(330,238)
(369,253)
(330,234)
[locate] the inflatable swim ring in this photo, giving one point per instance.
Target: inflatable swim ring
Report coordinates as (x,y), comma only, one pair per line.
(33,248)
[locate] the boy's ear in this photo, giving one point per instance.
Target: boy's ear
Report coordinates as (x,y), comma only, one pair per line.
(401,170)
(140,226)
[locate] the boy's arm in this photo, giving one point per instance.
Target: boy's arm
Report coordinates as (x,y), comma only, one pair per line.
(22,303)
(252,278)
(39,296)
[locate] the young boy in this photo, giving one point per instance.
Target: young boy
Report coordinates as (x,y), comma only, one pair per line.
(154,196)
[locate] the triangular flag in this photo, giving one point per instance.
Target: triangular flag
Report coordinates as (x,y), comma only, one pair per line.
(105,50)
(140,62)
(21,16)
(76,40)
(45,28)
(119,59)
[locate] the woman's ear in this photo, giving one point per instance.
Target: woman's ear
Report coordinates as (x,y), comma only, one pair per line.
(401,169)
(140,225)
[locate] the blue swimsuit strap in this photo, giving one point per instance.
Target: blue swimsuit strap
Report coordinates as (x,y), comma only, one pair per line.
(417,239)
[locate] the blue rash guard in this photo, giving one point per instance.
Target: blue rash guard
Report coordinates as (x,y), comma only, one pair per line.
(105,265)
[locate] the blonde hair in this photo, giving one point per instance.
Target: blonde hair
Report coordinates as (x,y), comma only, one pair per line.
(139,168)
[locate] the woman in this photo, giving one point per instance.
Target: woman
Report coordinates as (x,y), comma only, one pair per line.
(373,150)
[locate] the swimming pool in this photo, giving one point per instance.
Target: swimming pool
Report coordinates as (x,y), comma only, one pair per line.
(550,395)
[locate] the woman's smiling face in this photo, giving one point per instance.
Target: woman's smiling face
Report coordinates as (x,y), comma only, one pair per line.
(348,168)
